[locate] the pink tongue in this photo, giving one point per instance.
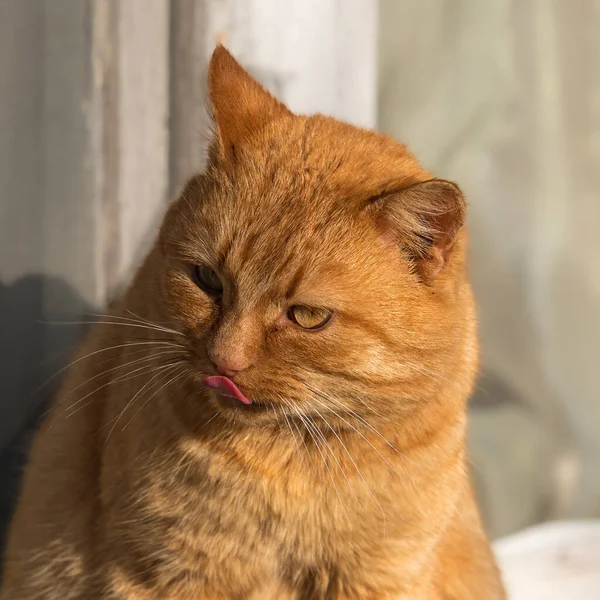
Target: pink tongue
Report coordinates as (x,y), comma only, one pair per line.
(226,387)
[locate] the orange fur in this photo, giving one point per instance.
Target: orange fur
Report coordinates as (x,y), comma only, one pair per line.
(351,483)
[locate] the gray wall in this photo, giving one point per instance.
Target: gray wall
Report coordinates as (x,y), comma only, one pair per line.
(43,178)
(504,97)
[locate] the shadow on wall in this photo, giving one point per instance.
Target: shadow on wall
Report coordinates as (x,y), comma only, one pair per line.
(523,469)
(572,351)
(31,350)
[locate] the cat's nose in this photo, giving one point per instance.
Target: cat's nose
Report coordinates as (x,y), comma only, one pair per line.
(229,366)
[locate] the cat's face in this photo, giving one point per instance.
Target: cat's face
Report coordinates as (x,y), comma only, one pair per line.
(299,269)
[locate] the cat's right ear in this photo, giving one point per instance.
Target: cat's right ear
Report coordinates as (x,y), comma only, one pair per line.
(240,105)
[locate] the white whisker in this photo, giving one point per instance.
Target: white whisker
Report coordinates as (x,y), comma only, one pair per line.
(90,354)
(148,358)
(339,464)
(291,430)
(357,416)
(359,433)
(301,436)
(143,370)
(177,375)
(159,325)
(167,369)
(116,323)
(306,420)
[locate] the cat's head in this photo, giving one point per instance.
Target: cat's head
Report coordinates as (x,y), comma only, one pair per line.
(314,265)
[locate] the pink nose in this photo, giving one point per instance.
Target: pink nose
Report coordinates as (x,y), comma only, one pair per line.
(228,366)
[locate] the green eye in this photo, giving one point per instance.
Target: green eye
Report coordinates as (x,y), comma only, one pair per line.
(309,318)
(207,280)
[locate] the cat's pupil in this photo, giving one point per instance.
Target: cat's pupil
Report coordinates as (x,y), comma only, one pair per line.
(207,280)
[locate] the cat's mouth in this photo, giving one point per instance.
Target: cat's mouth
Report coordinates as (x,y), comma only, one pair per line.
(230,396)
(233,403)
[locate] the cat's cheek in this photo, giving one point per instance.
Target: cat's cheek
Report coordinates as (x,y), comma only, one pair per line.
(374,359)
(188,305)
(309,350)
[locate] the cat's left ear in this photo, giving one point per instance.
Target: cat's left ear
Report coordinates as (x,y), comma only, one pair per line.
(240,105)
(425,220)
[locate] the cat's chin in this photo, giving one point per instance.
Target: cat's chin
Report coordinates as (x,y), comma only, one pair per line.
(231,404)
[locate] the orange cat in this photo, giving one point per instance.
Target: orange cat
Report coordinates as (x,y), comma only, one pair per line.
(276,410)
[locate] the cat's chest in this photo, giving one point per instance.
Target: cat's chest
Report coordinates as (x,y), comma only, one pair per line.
(204,526)
(276,535)
(255,557)
(302,513)
(251,519)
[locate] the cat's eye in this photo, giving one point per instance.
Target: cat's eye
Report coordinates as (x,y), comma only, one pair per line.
(207,280)
(309,318)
